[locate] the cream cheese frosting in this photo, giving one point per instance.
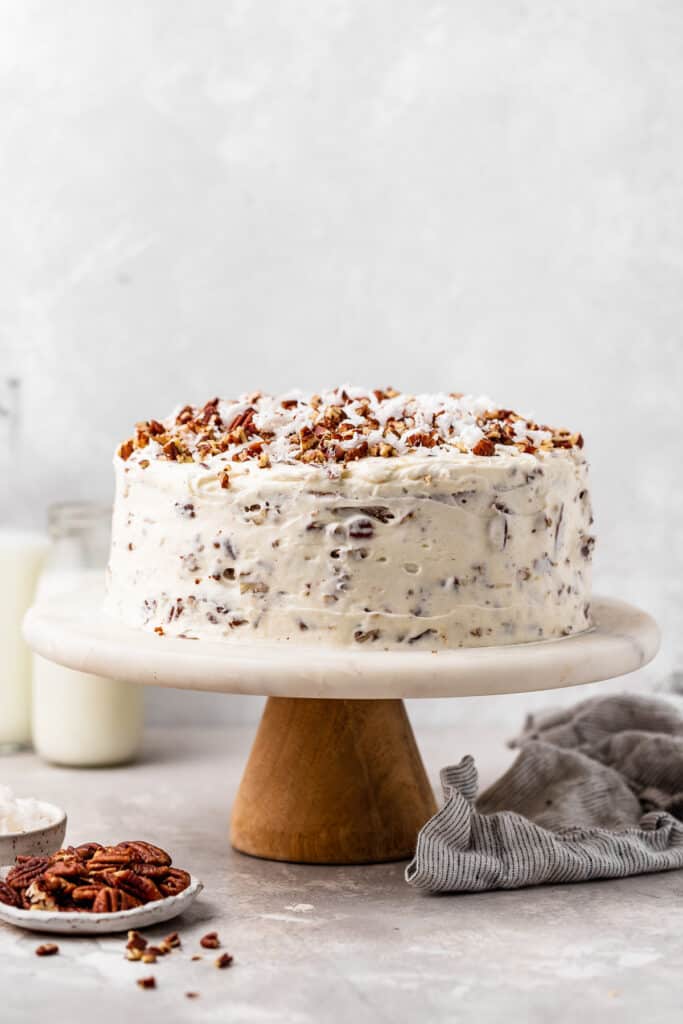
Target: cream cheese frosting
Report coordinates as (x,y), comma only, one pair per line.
(457,524)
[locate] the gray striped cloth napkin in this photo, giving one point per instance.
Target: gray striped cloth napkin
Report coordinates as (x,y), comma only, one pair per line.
(595,792)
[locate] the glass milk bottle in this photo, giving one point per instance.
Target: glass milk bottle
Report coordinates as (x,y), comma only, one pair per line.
(81,720)
(21,557)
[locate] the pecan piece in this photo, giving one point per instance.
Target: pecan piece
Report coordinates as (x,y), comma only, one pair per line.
(86,850)
(8,895)
(224,960)
(484,447)
(69,867)
(110,857)
(147,982)
(61,888)
(109,900)
(210,940)
(136,940)
(87,893)
(47,949)
(154,871)
(66,851)
(176,881)
(171,941)
(147,853)
(22,874)
(39,896)
(126,450)
(143,889)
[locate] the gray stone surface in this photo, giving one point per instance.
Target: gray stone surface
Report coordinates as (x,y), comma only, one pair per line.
(336,944)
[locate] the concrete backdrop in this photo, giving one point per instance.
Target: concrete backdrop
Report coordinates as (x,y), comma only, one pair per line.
(473,195)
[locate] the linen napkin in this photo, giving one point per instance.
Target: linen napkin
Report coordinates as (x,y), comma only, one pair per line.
(595,792)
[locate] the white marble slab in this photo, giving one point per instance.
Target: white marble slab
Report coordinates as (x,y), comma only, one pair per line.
(74,632)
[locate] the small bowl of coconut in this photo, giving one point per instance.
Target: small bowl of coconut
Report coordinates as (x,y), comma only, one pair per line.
(29,827)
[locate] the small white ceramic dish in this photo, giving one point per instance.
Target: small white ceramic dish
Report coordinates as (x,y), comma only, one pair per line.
(36,842)
(101,924)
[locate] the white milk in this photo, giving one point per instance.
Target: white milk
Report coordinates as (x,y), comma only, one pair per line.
(21,559)
(79,719)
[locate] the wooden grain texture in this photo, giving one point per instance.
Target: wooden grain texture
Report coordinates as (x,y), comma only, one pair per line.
(332,782)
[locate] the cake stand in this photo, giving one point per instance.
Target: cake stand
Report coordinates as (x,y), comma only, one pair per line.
(334,775)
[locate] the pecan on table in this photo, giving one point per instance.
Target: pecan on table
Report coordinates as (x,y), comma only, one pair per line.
(47,949)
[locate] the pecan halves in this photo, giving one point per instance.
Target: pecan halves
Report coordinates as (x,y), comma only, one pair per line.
(94,878)
(110,857)
(110,900)
(9,896)
(128,853)
(143,889)
(65,852)
(87,894)
(47,949)
(176,881)
(23,874)
(40,896)
(155,871)
(147,853)
(86,850)
(69,867)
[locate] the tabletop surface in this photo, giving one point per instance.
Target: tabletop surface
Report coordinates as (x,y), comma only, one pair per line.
(335,944)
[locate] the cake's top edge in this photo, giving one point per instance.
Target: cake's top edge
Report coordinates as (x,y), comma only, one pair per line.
(340,426)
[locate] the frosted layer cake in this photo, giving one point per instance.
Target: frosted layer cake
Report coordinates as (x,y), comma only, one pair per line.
(352,517)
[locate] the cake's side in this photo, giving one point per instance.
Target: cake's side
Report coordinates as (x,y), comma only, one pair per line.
(432,547)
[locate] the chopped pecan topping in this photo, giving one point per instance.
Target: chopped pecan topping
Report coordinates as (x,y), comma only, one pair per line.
(210,940)
(47,949)
(484,447)
(224,960)
(341,426)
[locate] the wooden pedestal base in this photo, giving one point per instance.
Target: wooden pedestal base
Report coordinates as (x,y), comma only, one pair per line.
(332,782)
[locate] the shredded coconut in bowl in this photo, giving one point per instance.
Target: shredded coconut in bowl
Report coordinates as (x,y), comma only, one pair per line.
(23,814)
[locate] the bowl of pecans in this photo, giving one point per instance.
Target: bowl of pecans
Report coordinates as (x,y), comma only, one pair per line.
(94,889)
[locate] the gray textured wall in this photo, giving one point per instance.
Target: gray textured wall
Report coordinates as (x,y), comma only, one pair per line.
(217,196)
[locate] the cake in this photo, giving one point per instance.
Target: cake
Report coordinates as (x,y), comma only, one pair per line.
(350,518)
